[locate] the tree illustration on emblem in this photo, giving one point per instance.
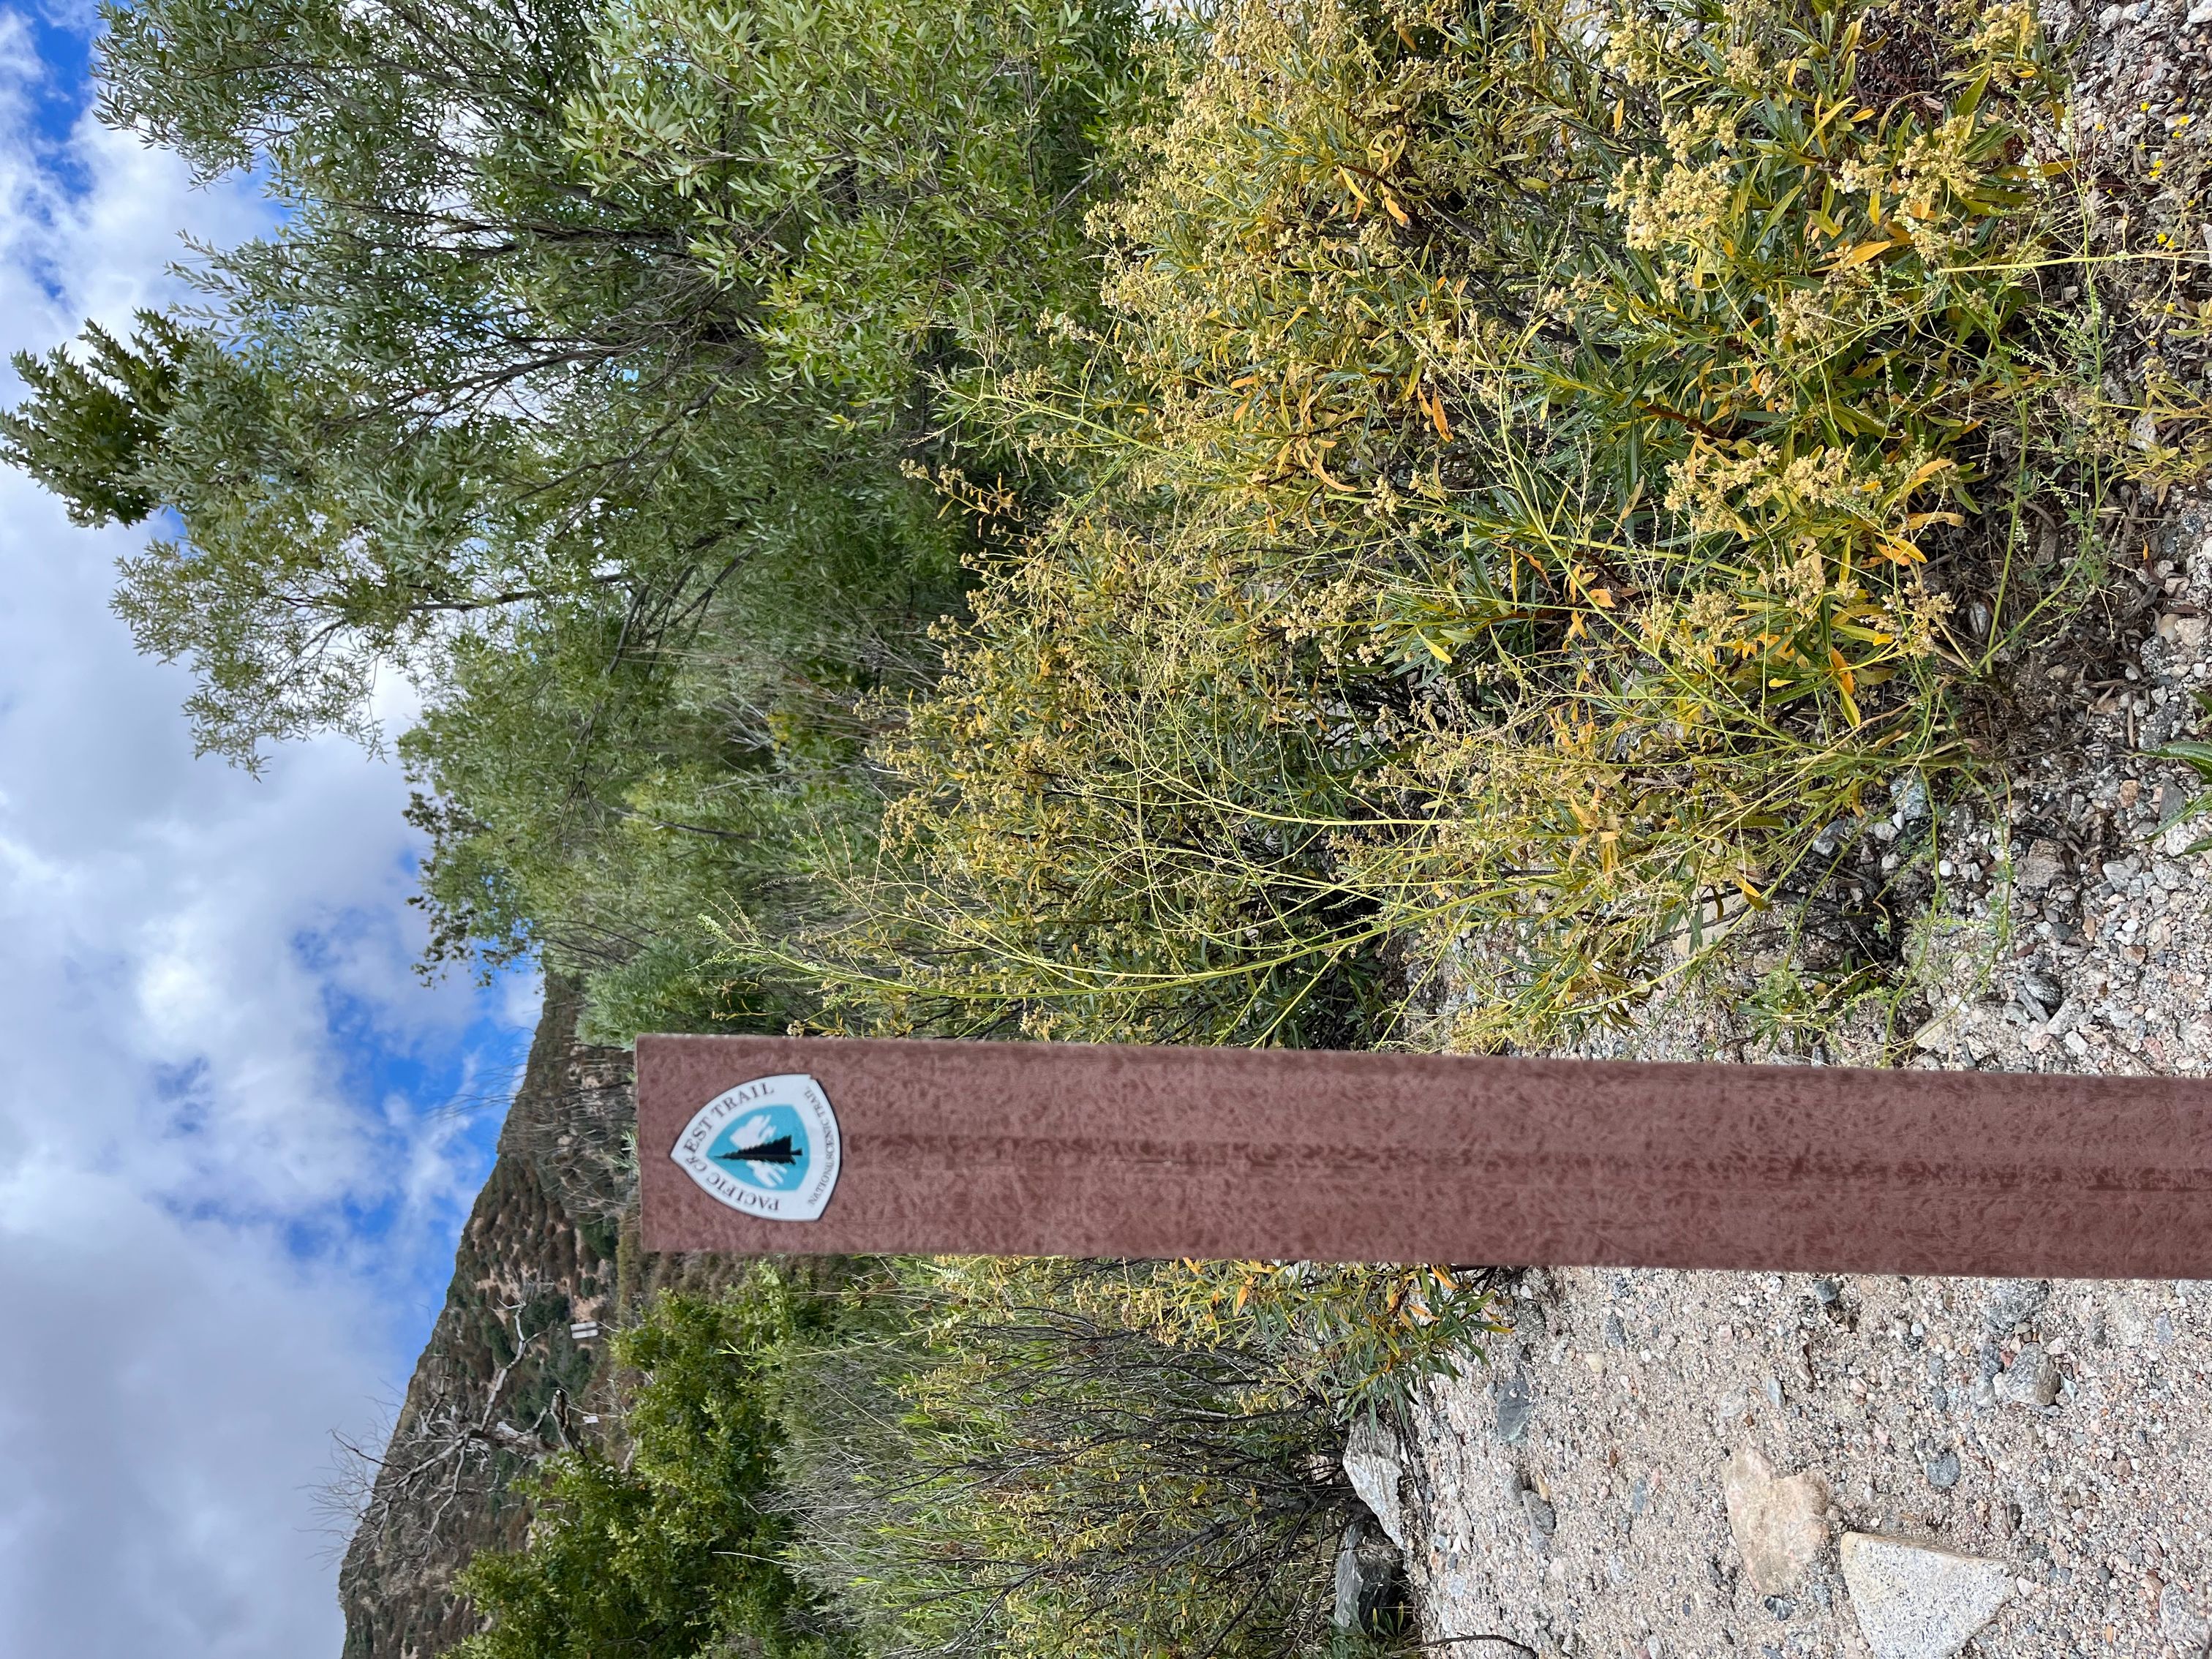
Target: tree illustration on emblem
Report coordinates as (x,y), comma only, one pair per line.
(779,1150)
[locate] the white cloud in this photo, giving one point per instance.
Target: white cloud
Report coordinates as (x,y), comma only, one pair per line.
(164,1394)
(194,965)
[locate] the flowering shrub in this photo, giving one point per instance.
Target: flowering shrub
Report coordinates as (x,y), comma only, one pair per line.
(1543,463)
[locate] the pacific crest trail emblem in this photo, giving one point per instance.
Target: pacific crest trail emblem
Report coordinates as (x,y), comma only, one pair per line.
(769,1147)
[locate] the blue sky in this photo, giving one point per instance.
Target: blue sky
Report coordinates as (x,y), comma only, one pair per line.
(237,1135)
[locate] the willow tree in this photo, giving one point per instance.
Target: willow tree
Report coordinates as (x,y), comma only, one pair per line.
(591,380)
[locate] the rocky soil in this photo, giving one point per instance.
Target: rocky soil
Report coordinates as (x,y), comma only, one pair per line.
(1660,1463)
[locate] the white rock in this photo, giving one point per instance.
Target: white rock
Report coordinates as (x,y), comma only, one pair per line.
(2200,12)
(2128,1324)
(1778,1525)
(1373,1466)
(1915,1601)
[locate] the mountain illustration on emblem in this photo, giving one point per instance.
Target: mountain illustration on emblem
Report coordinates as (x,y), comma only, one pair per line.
(766,1148)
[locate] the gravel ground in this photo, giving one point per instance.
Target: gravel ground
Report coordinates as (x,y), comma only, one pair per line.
(1568,1497)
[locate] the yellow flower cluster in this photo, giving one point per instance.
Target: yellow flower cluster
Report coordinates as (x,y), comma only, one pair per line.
(1922,182)
(1517,475)
(2007,30)
(1715,490)
(1639,46)
(1681,206)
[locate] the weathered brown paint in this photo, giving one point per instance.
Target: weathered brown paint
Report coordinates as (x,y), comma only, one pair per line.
(1031,1148)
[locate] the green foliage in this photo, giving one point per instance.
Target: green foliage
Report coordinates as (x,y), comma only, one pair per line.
(390,441)
(671,1552)
(1032,1460)
(589,383)
(1526,476)
(86,429)
(1789,1008)
(1021,1465)
(604,800)
(1536,476)
(885,182)
(546,315)
(1362,1337)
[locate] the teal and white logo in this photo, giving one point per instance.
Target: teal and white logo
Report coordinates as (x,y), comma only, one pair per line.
(769,1147)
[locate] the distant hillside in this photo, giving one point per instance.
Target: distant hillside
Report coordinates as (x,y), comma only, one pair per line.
(552,1241)
(539,1251)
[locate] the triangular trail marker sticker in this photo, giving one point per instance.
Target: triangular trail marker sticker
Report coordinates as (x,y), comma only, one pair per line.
(768,1148)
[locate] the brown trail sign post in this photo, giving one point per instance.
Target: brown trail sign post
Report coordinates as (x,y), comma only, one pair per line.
(760,1145)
